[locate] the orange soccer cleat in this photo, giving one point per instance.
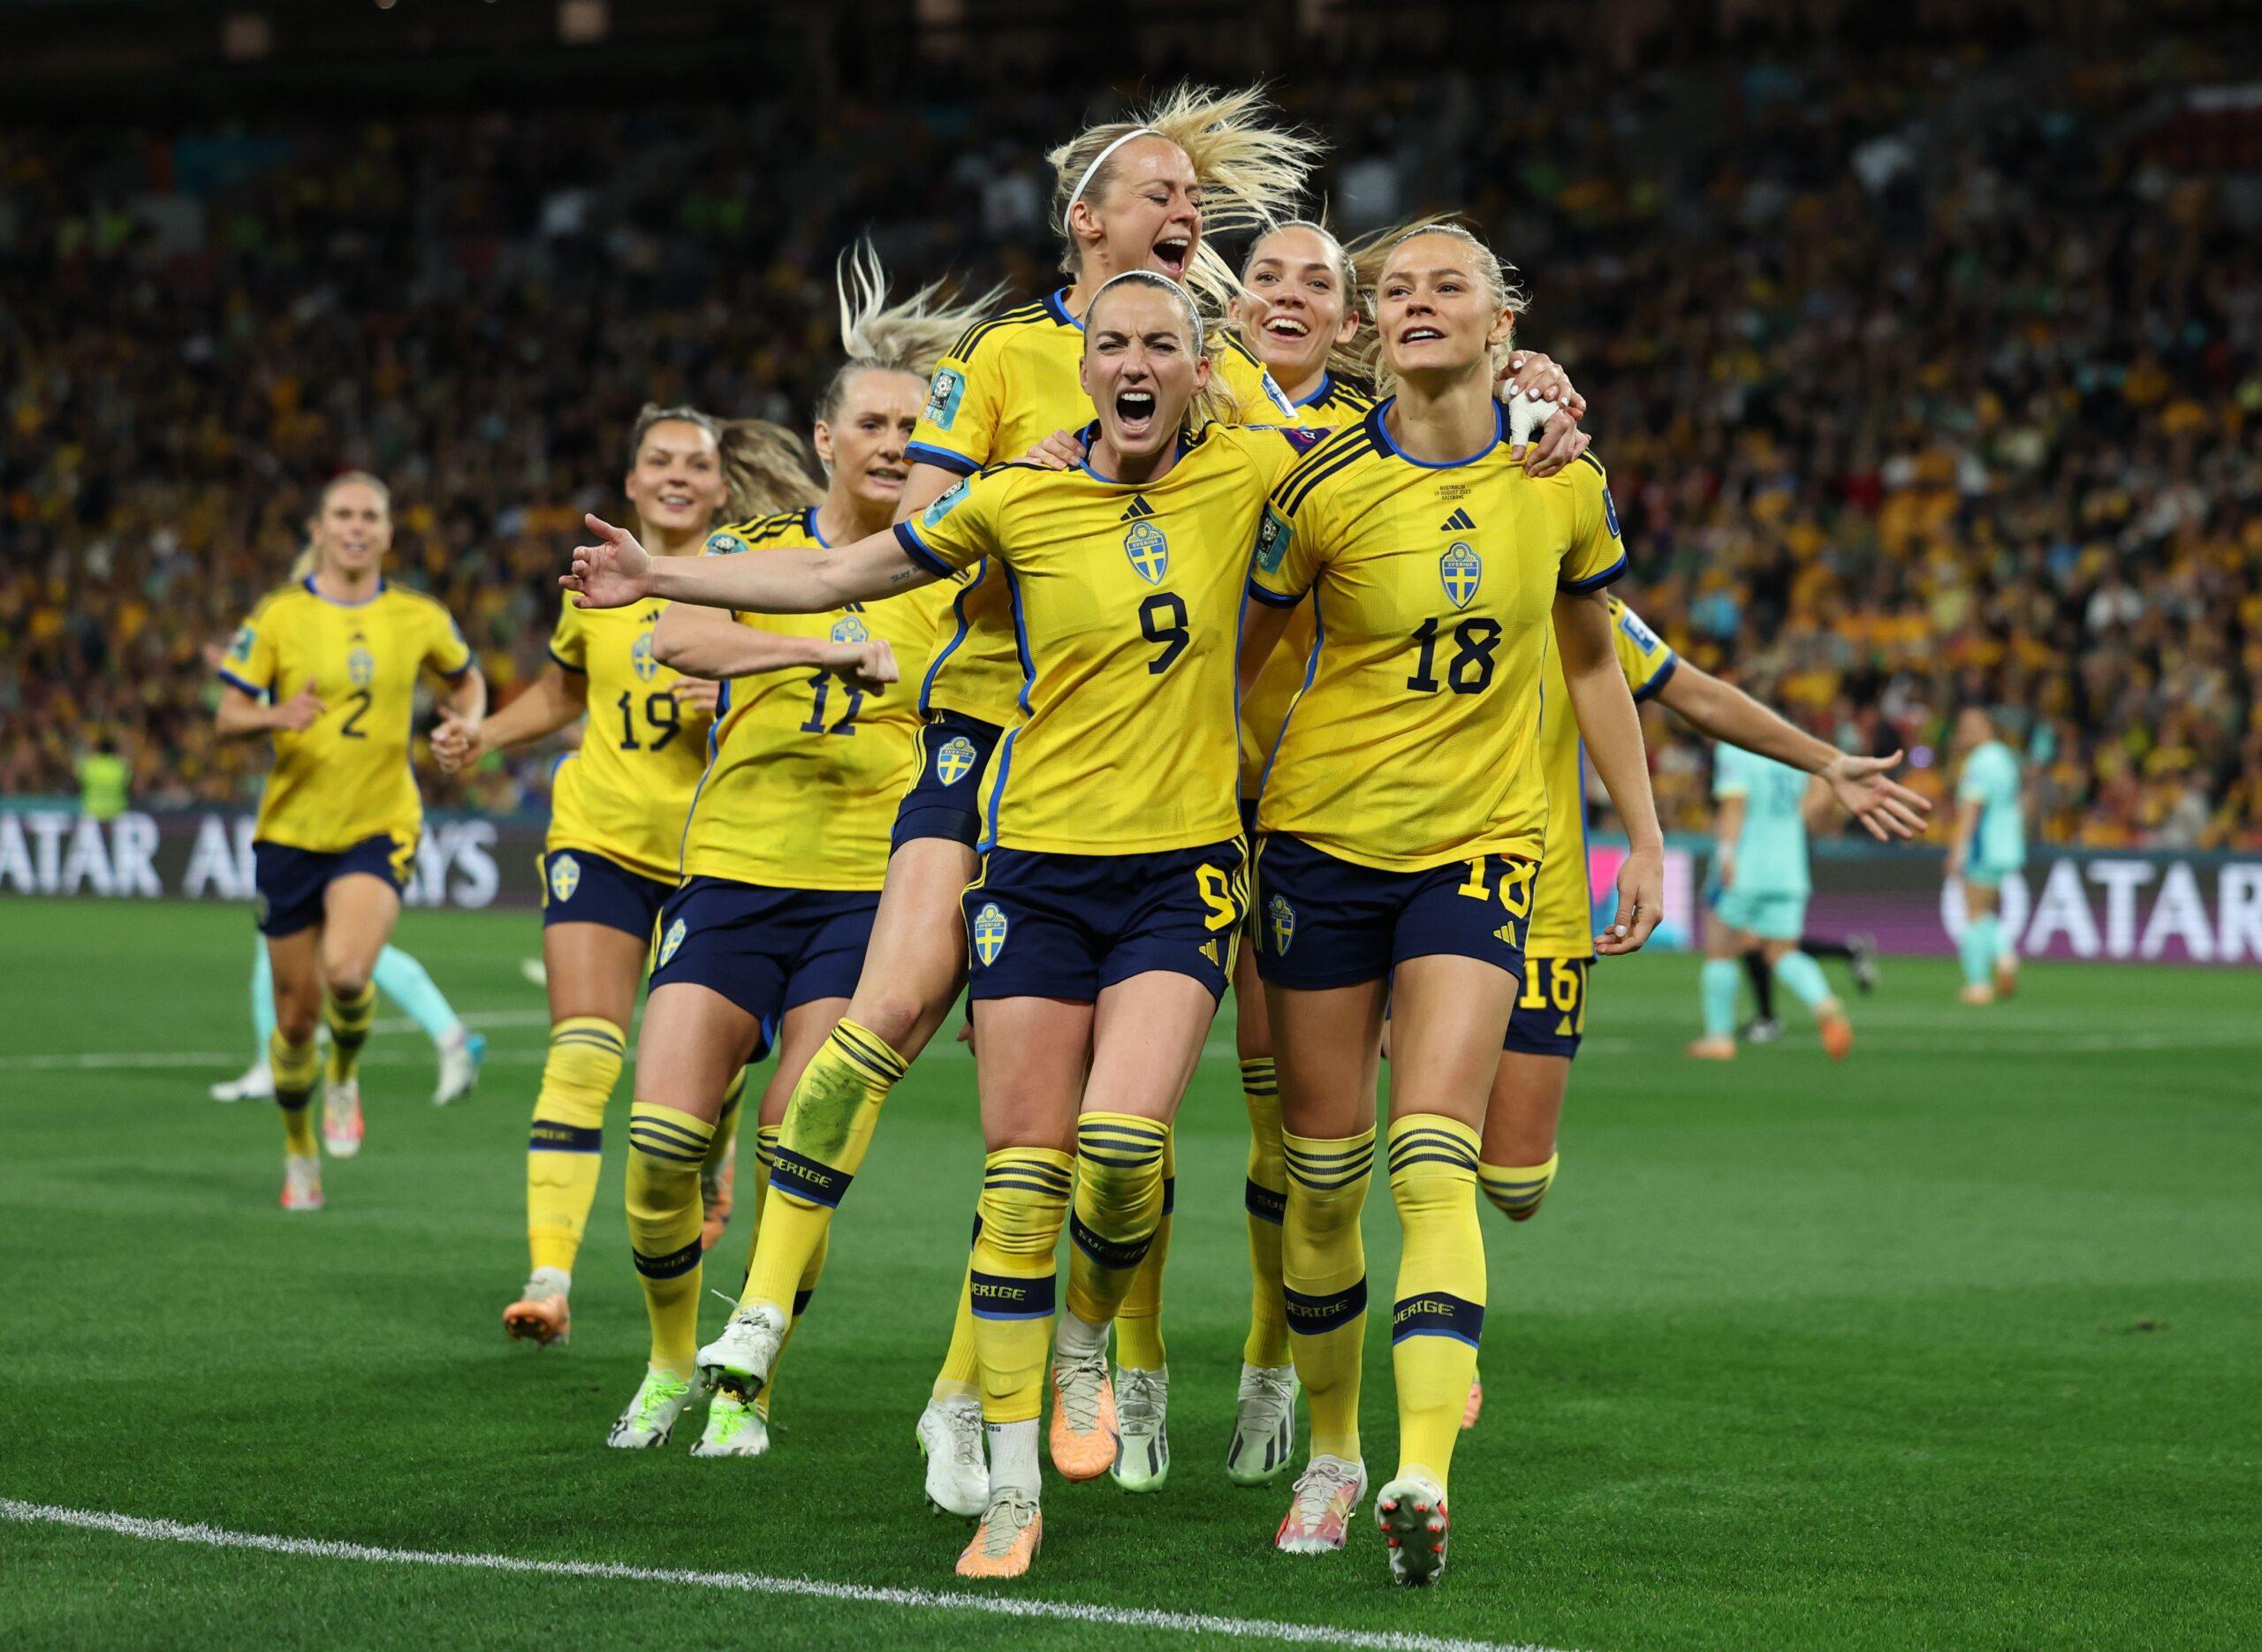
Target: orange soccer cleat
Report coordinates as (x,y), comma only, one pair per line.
(1010,1533)
(1082,1438)
(1837,1035)
(541,1314)
(1473,1406)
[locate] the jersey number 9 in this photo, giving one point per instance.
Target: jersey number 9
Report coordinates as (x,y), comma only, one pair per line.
(1162,618)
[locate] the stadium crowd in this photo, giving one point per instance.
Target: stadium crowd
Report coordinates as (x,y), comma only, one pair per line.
(1954,397)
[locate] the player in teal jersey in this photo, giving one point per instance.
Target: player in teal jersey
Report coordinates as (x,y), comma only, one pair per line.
(1990,847)
(1760,893)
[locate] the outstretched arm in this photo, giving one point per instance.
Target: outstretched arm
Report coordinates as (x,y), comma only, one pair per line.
(1611,730)
(616,570)
(704,642)
(1725,713)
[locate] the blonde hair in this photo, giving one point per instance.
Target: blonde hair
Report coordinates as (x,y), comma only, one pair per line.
(1215,401)
(1370,253)
(1250,171)
(910,335)
(765,468)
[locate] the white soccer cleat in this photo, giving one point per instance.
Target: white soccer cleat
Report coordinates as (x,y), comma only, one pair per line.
(739,1361)
(734,1429)
(1327,1494)
(256,1084)
(661,1398)
(1142,1429)
(459,1065)
(341,1118)
(302,1182)
(1264,1425)
(536,972)
(1411,1511)
(950,1438)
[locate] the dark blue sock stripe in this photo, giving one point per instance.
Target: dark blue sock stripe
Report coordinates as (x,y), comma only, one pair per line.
(1359,1175)
(1265,1205)
(809,1179)
(1170,1194)
(1437,1313)
(888,1067)
(1002,1296)
(1109,1252)
(801,1301)
(674,1265)
(548,1136)
(1457,1161)
(1312,1315)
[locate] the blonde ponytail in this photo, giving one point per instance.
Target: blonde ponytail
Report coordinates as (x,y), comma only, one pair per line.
(910,335)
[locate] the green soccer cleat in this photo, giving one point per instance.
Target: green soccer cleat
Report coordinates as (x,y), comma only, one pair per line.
(734,1429)
(661,1398)
(1141,1431)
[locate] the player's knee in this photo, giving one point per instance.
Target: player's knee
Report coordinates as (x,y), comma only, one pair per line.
(297,1021)
(344,981)
(893,1017)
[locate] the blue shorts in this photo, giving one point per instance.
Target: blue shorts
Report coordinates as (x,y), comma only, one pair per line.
(945,799)
(1550,1012)
(1323,922)
(765,950)
(1066,926)
(290,882)
(579,887)
(1770,916)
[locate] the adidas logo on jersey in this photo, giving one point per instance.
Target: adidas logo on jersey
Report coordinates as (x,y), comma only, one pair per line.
(1459,522)
(1135,510)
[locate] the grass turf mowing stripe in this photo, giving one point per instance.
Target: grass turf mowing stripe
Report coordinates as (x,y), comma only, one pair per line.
(751,1583)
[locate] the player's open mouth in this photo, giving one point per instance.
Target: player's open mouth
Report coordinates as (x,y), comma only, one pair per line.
(1134,411)
(677,501)
(1171,254)
(887,474)
(1287,327)
(1419,336)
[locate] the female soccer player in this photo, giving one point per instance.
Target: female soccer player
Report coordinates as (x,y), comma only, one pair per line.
(1518,1161)
(1103,923)
(1403,819)
(784,851)
(1304,294)
(1990,847)
(399,977)
(616,814)
(335,657)
(1137,194)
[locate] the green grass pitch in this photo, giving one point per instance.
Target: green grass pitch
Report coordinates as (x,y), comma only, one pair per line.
(1956,1345)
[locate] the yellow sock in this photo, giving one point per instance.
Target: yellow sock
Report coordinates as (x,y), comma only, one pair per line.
(349,1021)
(1024,1199)
(1439,1315)
(1139,1320)
(820,1145)
(665,1147)
(1118,1201)
(566,1149)
(296,1068)
(1265,1197)
(1323,1278)
(1517,1189)
(962,1373)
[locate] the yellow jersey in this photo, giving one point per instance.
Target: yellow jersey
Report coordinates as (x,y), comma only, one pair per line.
(1415,743)
(804,772)
(1562,902)
(624,793)
(1006,385)
(1125,605)
(1264,708)
(347,776)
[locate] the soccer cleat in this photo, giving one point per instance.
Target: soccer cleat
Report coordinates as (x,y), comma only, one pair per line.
(1861,962)
(1762,1029)
(1473,1407)
(1082,1438)
(536,972)
(1010,1533)
(661,1398)
(950,1438)
(1142,1431)
(739,1361)
(459,1065)
(341,1118)
(541,1314)
(302,1182)
(715,1184)
(734,1429)
(1412,1514)
(256,1084)
(1837,1034)
(1980,994)
(2006,979)
(1711,1050)
(1264,1425)
(1318,1522)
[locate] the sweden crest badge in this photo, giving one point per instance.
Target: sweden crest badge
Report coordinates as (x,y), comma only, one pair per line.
(673,940)
(955,760)
(565,877)
(1149,550)
(1281,918)
(1460,571)
(989,933)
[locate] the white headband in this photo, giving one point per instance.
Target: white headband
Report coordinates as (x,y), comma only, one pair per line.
(1098,161)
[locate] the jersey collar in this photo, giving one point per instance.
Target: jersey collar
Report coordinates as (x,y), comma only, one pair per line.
(1318,397)
(809,515)
(1090,436)
(309,583)
(1057,303)
(1375,421)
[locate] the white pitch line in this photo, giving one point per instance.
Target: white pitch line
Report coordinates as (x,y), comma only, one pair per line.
(755,1583)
